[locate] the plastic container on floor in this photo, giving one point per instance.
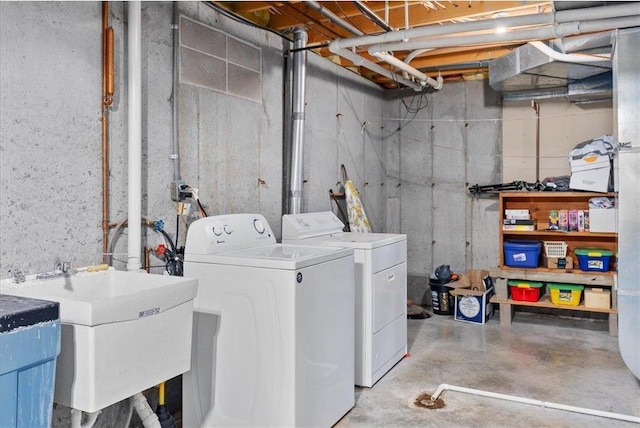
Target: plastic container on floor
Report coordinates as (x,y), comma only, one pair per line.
(565,294)
(441,300)
(525,291)
(594,259)
(524,254)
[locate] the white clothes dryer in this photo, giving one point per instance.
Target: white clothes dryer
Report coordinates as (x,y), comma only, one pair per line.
(273,341)
(381,288)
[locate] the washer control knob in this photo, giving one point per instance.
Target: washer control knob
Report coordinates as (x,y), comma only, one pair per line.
(227,229)
(217,230)
(258,225)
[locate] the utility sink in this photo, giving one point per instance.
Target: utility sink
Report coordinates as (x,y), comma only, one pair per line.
(122,332)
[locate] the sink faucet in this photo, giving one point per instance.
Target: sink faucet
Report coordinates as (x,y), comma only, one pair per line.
(59,269)
(58,266)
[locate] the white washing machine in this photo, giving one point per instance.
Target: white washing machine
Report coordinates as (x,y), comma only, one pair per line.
(273,341)
(381,288)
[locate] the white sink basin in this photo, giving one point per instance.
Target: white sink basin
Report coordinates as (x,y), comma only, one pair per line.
(122,332)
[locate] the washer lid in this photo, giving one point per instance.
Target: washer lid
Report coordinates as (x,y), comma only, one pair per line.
(277,256)
(366,241)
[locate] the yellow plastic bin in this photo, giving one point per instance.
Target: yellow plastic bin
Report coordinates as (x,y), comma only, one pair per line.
(565,294)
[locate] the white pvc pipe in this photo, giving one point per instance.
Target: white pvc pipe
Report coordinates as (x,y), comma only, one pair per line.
(76,419)
(423,78)
(540,33)
(440,30)
(573,58)
(147,416)
(134,26)
(544,404)
(361,61)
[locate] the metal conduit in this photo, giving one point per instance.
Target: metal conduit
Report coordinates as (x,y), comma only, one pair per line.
(373,16)
(175,157)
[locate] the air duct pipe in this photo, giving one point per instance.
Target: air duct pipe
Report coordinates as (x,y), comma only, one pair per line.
(134,33)
(383,56)
(297,120)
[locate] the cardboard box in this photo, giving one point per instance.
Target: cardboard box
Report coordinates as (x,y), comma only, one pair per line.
(472,304)
(591,173)
(597,298)
(603,220)
(557,262)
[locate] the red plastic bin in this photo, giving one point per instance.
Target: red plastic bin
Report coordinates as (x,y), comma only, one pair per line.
(525,291)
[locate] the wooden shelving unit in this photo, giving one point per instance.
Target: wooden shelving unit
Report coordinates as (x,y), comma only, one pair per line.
(539,204)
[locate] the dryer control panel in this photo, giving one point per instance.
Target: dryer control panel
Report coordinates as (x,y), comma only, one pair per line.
(215,234)
(309,225)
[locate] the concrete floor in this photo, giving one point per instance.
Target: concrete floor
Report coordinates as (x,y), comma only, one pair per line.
(542,357)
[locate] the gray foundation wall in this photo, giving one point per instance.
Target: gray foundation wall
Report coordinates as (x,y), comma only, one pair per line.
(412,170)
(433,155)
(230,148)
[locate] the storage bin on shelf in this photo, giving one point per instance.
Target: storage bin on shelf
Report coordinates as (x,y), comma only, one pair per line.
(526,291)
(524,254)
(565,294)
(594,259)
(597,298)
(555,248)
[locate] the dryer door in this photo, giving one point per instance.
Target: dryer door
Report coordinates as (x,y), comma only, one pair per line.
(389,295)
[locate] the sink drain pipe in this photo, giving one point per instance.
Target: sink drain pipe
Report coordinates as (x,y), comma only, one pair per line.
(545,404)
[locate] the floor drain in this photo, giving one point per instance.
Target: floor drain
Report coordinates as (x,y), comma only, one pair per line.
(424,401)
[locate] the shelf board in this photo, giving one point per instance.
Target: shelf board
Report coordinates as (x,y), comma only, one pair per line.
(572,276)
(559,234)
(580,195)
(545,302)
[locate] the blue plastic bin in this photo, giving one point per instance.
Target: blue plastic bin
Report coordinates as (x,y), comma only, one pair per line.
(594,259)
(29,346)
(524,254)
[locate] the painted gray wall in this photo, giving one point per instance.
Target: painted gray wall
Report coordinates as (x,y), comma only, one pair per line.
(50,133)
(412,170)
(432,157)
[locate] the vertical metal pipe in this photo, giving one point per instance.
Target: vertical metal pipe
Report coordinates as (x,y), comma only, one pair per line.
(174,94)
(287,137)
(536,107)
(297,120)
(134,30)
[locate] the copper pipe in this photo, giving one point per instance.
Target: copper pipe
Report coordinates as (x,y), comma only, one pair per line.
(109,67)
(147,263)
(105,138)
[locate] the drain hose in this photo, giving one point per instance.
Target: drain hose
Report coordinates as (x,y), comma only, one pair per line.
(147,416)
(444,387)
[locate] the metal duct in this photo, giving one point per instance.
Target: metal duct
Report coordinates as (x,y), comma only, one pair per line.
(527,68)
(627,129)
(297,120)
